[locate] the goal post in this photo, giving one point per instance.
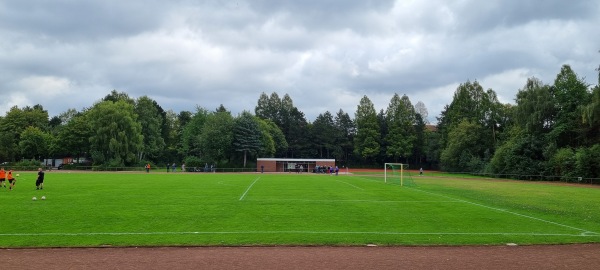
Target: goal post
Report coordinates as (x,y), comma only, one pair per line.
(397,173)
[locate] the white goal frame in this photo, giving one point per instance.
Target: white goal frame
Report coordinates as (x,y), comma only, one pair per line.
(402,166)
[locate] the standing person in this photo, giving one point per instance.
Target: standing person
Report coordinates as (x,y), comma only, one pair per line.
(11,179)
(337,169)
(3,177)
(173,168)
(147,167)
(262,168)
(39,183)
(183,167)
(421,171)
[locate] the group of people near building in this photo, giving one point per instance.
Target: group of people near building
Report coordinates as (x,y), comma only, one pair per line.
(327,169)
(10,176)
(299,168)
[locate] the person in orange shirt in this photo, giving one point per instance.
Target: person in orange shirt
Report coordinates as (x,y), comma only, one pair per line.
(11,179)
(3,177)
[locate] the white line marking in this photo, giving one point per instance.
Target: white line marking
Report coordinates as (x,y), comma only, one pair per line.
(509,212)
(299,232)
(350,184)
(248,189)
(343,201)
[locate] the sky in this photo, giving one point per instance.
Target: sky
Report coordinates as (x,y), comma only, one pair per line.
(326,55)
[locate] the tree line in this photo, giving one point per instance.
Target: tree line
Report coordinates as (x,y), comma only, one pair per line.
(552,129)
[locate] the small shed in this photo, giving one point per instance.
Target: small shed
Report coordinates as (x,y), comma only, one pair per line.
(291,164)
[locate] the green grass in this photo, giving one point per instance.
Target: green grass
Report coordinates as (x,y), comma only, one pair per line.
(138,209)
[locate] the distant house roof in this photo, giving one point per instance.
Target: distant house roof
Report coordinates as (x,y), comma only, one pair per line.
(432,128)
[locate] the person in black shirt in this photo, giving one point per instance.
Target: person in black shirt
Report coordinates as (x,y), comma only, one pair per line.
(39,183)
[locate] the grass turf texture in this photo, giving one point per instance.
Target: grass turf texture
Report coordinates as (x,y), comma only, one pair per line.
(138,209)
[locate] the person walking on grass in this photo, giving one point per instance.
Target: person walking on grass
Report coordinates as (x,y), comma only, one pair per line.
(11,179)
(2,177)
(39,183)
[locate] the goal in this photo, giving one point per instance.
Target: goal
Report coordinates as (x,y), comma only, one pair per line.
(397,173)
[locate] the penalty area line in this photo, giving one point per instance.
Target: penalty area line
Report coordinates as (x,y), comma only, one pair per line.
(248,189)
(350,184)
(584,231)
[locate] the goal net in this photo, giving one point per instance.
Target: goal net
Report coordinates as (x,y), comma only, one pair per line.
(397,173)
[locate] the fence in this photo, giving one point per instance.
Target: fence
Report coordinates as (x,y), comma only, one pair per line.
(135,169)
(524,177)
(533,177)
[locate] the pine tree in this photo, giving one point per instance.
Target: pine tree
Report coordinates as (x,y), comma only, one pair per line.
(246,135)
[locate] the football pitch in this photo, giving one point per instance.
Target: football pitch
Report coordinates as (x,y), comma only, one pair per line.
(208,209)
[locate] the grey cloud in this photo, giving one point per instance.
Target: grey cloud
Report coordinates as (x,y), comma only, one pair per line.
(325,54)
(80,20)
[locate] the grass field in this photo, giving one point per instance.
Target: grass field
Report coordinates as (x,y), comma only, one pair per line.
(157,209)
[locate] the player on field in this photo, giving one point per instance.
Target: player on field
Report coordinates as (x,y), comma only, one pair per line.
(11,179)
(39,183)
(3,177)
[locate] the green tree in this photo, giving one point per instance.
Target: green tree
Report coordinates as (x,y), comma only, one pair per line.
(151,120)
(571,95)
(246,135)
(116,134)
(401,133)
(8,147)
(222,109)
(272,135)
(367,136)
(464,148)
(73,138)
(345,130)
(523,151)
(172,132)
(420,139)
(191,134)
(384,130)
(217,136)
(290,121)
(115,96)
(324,133)
(520,154)
(295,128)
(270,107)
(433,148)
(267,141)
(591,117)
(34,143)
(15,122)
(475,106)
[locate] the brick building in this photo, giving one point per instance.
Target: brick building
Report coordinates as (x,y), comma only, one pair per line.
(289,164)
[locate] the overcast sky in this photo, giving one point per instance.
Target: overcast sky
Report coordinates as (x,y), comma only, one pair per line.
(325,54)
